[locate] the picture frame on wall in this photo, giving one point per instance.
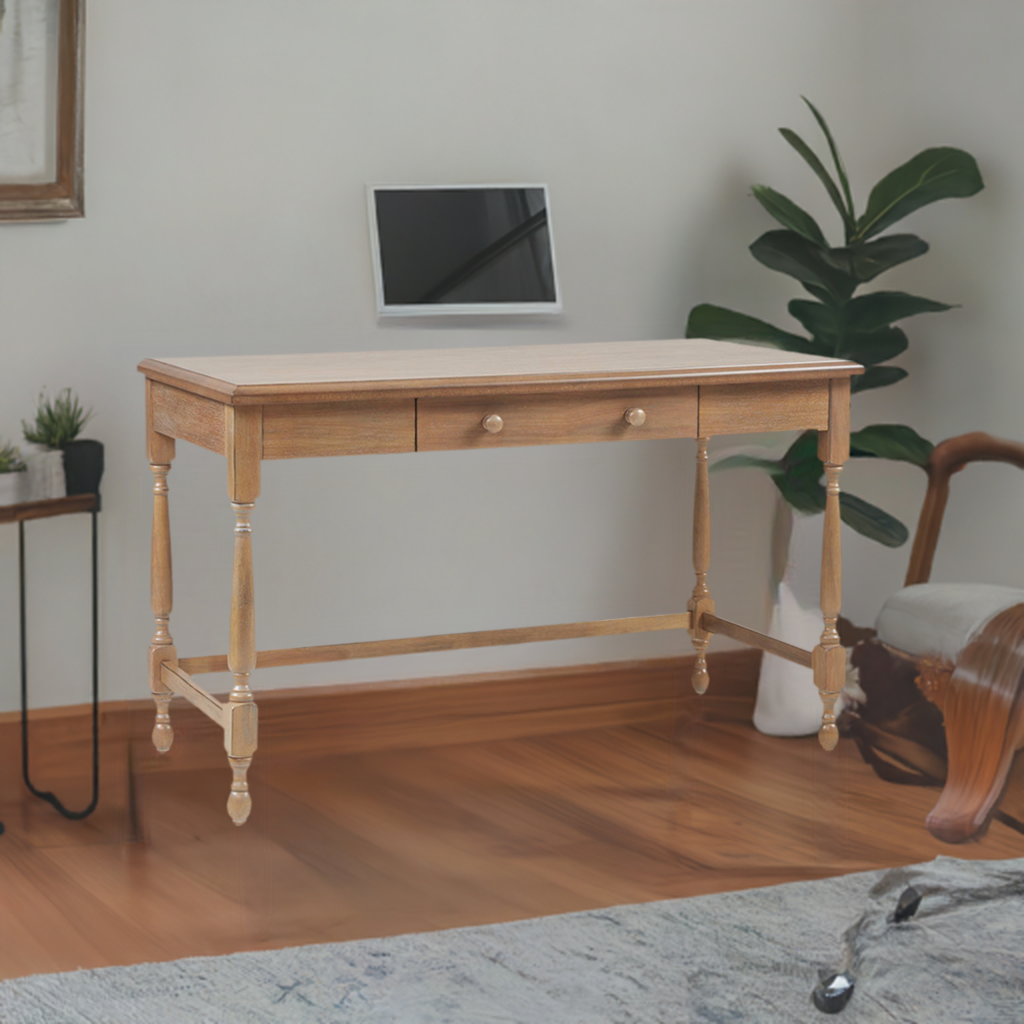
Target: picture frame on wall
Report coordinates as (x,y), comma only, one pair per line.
(41,65)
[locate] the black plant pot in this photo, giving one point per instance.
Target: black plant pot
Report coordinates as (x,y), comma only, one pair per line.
(83,466)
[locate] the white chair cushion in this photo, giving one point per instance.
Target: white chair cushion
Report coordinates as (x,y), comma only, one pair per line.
(939,618)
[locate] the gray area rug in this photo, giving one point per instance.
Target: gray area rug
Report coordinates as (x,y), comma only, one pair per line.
(747,957)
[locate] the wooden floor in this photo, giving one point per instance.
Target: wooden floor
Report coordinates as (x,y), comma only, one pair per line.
(368,844)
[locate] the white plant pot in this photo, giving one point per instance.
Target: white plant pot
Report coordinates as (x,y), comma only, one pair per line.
(45,472)
(788,703)
(13,489)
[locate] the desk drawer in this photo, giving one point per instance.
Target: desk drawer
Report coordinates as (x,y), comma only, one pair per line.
(338,428)
(753,408)
(448,423)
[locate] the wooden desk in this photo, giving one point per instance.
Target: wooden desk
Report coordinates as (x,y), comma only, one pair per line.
(250,408)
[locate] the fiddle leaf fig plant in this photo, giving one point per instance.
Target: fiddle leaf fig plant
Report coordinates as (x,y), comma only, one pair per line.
(838,322)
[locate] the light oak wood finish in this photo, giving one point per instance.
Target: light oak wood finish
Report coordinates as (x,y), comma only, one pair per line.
(701,603)
(828,659)
(395,830)
(244,451)
(445,424)
(175,678)
(240,715)
(753,408)
(338,428)
(180,414)
(444,642)
(536,369)
(348,403)
(244,430)
(161,647)
(713,624)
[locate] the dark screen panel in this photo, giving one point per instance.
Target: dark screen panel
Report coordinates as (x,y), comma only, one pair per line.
(464,246)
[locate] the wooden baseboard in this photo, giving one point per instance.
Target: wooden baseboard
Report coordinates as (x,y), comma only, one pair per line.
(401,715)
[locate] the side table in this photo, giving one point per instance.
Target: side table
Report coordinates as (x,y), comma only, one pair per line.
(20,514)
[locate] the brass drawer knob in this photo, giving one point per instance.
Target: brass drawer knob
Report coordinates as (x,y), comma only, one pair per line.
(493,423)
(635,417)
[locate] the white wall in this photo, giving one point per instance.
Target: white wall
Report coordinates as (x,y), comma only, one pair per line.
(227,149)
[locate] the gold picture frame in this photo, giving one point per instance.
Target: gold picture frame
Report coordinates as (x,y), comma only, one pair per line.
(61,197)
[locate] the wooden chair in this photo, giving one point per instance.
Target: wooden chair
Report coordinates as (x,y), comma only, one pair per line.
(964,643)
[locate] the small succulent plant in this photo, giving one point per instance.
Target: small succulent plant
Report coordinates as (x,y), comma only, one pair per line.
(10,458)
(58,420)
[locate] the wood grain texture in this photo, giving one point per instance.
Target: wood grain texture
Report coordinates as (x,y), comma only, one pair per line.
(26,510)
(338,428)
(368,717)
(63,197)
(177,679)
(240,714)
(713,624)
(161,597)
(243,380)
(764,406)
(828,659)
(444,642)
(244,442)
(181,414)
(949,457)
(834,443)
(412,836)
(701,603)
(446,424)
(159,447)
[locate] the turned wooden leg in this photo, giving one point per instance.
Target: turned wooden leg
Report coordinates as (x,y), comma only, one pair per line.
(701,601)
(240,714)
(162,646)
(828,659)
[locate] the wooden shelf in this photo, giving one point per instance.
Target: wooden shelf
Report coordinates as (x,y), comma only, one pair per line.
(51,507)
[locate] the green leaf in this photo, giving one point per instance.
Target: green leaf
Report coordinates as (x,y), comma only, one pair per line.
(836,158)
(822,321)
(879,309)
(708,321)
(801,458)
(746,462)
(934,174)
(823,176)
(891,441)
(871,521)
(877,377)
(871,347)
(804,494)
(867,260)
(823,296)
(790,253)
(788,214)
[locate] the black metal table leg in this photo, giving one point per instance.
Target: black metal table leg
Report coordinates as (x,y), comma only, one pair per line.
(50,798)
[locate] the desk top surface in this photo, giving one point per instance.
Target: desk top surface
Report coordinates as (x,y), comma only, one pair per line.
(250,379)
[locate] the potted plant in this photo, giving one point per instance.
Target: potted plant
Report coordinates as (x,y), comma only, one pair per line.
(12,475)
(837,322)
(57,424)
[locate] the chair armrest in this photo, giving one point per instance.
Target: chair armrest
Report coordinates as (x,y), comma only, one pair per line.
(947,458)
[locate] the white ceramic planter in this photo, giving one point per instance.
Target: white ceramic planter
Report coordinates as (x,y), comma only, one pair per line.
(45,472)
(787,699)
(13,488)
